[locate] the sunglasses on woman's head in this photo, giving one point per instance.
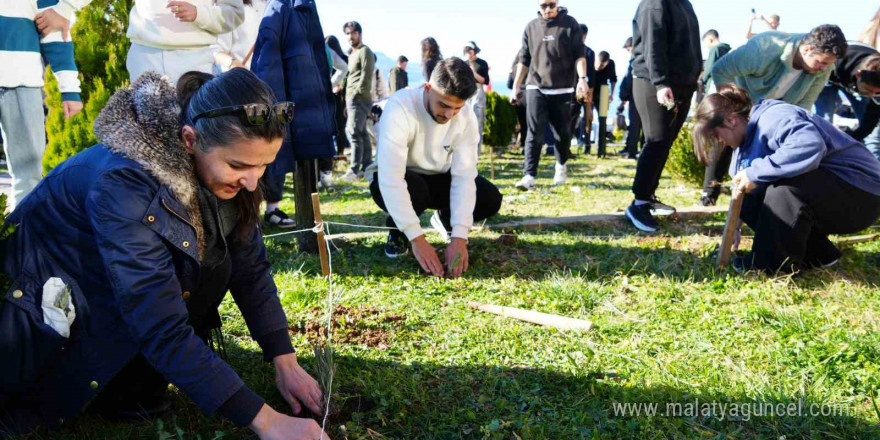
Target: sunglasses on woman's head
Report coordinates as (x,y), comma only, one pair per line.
(547,6)
(256,114)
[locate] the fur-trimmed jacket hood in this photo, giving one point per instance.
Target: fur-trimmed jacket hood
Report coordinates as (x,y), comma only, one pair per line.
(143,124)
(117,230)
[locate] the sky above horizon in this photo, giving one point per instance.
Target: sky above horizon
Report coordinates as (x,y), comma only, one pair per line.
(395,27)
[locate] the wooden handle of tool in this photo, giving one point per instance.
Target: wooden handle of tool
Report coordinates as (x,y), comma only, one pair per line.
(727,239)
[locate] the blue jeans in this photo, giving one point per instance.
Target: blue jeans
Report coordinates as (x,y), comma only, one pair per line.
(860,106)
(827,102)
(22,124)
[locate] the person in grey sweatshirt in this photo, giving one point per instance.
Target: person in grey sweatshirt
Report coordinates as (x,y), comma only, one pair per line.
(804,178)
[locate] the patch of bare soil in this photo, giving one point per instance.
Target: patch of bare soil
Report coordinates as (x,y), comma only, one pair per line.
(367,326)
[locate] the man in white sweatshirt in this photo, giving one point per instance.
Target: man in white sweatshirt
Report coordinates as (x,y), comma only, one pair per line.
(169,37)
(427,159)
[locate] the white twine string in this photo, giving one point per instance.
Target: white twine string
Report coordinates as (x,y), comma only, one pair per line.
(330,307)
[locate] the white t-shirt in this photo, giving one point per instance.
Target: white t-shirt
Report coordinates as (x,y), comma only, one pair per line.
(784,84)
(410,140)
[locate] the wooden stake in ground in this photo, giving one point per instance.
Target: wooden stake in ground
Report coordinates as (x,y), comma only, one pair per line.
(730,227)
(545,319)
(304,184)
(322,244)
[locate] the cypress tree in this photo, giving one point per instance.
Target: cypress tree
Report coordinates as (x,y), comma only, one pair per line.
(100,47)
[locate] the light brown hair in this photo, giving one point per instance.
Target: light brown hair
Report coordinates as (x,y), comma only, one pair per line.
(711,113)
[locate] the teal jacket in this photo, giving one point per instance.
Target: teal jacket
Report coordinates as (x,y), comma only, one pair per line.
(759,66)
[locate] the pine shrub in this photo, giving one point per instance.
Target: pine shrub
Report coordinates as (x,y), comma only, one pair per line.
(682,162)
(500,120)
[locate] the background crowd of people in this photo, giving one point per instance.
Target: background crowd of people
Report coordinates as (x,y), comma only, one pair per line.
(171,198)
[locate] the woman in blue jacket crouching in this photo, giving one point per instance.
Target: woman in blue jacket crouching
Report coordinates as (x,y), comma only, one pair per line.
(804,178)
(122,254)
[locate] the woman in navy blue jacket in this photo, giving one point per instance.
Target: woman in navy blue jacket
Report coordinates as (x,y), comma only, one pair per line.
(804,178)
(122,254)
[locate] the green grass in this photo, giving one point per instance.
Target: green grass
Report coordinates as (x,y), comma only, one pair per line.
(669,327)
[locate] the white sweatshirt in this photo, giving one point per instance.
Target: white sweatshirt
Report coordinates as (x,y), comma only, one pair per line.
(410,140)
(151,23)
(240,41)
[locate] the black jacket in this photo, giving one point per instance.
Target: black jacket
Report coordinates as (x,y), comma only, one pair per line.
(844,77)
(626,86)
(550,49)
(666,43)
(591,66)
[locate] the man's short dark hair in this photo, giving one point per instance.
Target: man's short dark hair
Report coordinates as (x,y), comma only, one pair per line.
(711,32)
(827,38)
(871,70)
(352,26)
(584,29)
(453,76)
(402,59)
(604,56)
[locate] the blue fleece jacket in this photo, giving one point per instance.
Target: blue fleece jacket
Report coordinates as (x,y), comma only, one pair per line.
(783,140)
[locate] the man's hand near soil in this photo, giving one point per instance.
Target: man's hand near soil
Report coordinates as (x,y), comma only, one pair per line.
(456,257)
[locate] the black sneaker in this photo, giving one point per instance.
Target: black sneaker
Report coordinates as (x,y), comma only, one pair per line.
(707,200)
(279,219)
(641,217)
(829,255)
(660,208)
(744,263)
(710,197)
(397,244)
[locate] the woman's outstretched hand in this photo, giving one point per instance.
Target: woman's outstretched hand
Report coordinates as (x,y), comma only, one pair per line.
(296,386)
(272,425)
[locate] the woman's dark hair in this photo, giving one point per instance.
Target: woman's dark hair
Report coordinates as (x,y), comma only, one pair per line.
(711,113)
(827,38)
(430,49)
(333,44)
(198,92)
(453,76)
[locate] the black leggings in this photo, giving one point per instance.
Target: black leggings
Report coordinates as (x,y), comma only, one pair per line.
(540,109)
(431,191)
(715,172)
(661,127)
(793,218)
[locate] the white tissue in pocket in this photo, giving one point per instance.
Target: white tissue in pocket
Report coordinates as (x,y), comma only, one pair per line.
(58,310)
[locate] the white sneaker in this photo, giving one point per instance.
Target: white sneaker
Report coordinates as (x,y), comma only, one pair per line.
(561,174)
(438,226)
(326,179)
(350,176)
(527,183)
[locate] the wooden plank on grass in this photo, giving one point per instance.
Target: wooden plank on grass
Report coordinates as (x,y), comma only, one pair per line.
(845,241)
(540,223)
(730,228)
(544,319)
